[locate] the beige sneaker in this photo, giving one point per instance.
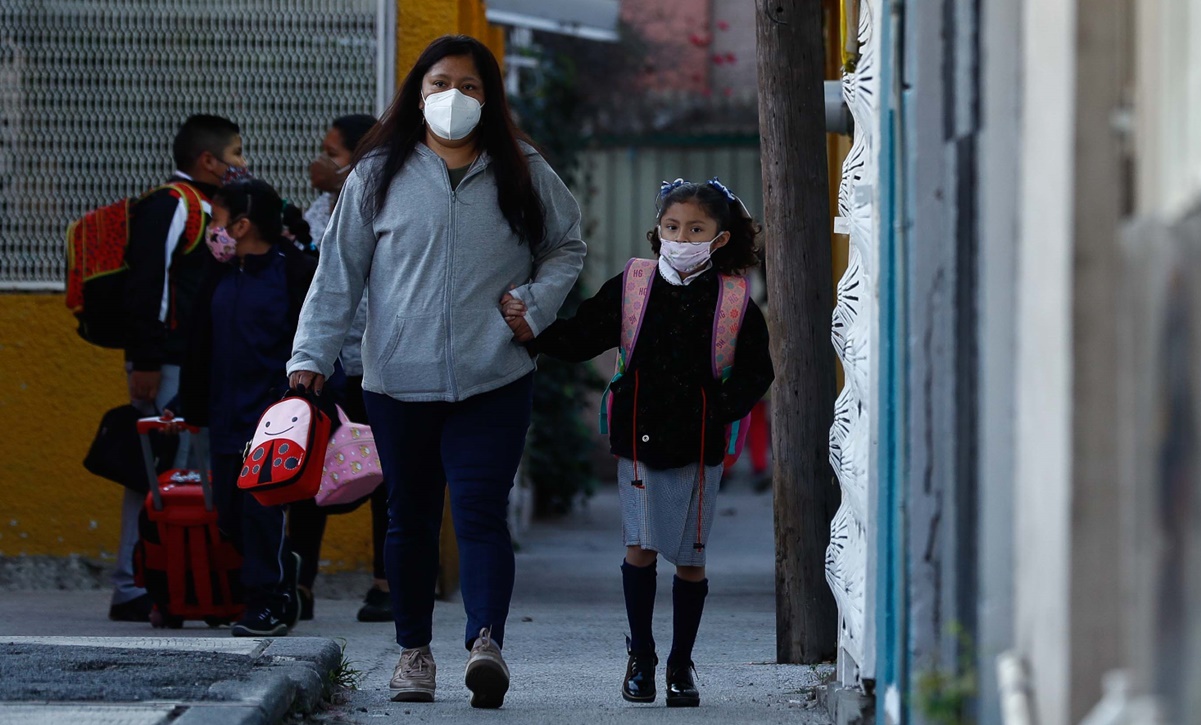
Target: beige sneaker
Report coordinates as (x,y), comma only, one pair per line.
(413,678)
(487,674)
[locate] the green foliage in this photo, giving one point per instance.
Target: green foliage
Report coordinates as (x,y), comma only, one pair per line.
(344,677)
(560,442)
(943,697)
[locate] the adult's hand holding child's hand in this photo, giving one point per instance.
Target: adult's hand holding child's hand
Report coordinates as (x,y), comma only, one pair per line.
(514,311)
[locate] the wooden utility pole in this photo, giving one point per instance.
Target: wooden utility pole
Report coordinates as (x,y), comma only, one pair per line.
(797,222)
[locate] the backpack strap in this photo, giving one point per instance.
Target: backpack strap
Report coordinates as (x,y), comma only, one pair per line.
(194,203)
(637,279)
(733,299)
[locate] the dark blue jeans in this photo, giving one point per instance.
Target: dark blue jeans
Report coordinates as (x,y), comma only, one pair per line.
(256,530)
(474,446)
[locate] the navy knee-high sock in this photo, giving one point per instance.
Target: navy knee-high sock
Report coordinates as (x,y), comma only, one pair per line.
(688,603)
(639,585)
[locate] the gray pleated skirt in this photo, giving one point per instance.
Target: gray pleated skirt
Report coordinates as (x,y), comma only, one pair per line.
(662,515)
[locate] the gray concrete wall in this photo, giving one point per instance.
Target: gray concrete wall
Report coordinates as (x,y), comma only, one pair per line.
(941,117)
(1000,58)
(1102,199)
(1042,483)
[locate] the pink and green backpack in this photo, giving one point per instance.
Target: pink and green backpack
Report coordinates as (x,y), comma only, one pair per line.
(732,303)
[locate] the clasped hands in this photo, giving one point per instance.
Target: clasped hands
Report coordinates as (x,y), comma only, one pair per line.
(513,310)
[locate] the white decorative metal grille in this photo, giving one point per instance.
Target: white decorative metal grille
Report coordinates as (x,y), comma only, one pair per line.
(854,314)
(92,92)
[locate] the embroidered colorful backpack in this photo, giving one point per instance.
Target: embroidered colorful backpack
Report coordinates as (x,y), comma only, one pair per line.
(96,268)
(732,303)
(352,469)
(287,454)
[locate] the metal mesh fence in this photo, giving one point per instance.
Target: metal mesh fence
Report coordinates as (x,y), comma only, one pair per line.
(92,92)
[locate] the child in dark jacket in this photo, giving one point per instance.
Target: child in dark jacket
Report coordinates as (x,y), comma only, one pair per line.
(670,414)
(246,317)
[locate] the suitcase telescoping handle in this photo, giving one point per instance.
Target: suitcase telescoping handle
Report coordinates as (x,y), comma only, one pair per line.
(145,425)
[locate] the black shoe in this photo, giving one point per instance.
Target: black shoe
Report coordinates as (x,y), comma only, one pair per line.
(639,684)
(306,605)
(377,606)
(291,591)
(263,621)
(681,687)
(135,610)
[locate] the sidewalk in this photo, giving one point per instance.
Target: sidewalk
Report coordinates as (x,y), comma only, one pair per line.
(565,640)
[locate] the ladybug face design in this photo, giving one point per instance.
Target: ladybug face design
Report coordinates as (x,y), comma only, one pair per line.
(284,417)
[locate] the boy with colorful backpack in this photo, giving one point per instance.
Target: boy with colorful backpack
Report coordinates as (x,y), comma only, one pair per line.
(678,403)
(134,268)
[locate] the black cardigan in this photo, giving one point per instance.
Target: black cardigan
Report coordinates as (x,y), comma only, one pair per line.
(669,369)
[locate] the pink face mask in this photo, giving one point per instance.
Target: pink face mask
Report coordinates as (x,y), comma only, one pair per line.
(221,244)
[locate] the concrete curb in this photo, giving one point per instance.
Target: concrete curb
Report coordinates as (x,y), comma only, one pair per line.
(293,678)
(847,705)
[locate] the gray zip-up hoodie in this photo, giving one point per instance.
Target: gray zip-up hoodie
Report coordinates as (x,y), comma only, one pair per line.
(437,261)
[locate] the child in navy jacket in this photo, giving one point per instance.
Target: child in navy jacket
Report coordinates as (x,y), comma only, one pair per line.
(246,316)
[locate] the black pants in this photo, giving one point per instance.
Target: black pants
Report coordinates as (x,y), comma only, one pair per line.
(256,530)
(306,520)
(473,447)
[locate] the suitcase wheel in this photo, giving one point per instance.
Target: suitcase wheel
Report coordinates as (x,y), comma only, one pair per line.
(160,619)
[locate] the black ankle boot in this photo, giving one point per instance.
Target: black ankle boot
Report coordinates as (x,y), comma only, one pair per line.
(681,687)
(639,685)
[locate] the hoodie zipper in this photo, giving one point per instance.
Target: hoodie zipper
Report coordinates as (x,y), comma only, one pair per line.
(448,309)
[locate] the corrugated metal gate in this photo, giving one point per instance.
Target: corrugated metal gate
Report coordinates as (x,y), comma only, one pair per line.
(92,92)
(617,186)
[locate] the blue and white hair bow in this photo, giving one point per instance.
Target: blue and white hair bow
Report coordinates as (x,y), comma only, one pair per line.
(716,184)
(667,187)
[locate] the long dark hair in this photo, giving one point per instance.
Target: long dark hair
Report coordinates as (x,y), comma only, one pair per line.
(353,128)
(403,127)
(270,215)
(737,256)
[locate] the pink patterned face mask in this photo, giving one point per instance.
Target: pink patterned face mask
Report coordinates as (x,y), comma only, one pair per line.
(221,244)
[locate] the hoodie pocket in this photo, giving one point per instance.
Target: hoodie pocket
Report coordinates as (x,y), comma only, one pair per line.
(485,350)
(414,360)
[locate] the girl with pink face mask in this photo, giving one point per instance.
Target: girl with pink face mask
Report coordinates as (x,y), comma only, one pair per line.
(245,317)
(673,413)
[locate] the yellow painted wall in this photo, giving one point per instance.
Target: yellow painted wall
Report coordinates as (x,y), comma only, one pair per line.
(53,390)
(420,21)
(54,387)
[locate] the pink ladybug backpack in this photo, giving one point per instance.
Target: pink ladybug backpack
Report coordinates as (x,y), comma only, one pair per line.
(352,469)
(732,303)
(285,457)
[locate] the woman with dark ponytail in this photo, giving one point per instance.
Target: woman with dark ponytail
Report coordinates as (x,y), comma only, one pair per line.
(447,214)
(246,316)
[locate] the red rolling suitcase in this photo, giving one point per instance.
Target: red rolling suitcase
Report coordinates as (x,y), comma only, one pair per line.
(191,571)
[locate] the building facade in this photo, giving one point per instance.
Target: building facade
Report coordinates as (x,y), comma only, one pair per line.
(1029,219)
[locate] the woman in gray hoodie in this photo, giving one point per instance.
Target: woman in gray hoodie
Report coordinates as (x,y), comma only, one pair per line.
(447,212)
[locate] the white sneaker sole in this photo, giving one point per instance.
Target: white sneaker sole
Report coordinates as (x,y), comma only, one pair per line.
(412,694)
